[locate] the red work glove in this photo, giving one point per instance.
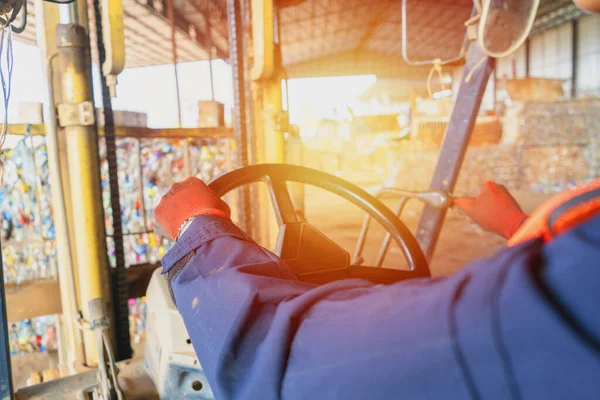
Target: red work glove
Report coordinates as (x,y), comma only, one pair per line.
(185,200)
(494,209)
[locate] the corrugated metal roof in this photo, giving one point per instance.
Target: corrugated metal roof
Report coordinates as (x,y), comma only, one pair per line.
(148,31)
(321,37)
(330,33)
(553,13)
(318,36)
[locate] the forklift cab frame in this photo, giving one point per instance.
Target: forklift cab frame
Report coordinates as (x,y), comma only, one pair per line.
(267,70)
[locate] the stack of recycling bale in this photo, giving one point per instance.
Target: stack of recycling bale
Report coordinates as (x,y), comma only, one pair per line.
(556,147)
(559,142)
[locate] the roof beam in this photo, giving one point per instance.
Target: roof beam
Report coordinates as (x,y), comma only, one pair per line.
(314,15)
(184,26)
(352,63)
(209,29)
(211,10)
(555,16)
(374,24)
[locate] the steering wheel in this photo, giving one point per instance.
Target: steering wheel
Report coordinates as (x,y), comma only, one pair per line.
(311,255)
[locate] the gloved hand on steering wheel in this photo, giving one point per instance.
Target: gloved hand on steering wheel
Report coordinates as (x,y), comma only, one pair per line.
(494,209)
(184,201)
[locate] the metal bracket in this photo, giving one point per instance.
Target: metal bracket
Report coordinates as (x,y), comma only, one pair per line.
(80,114)
(108,382)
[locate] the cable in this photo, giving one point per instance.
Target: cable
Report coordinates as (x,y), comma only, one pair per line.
(6,84)
(60,2)
(22,4)
(21,28)
(437,67)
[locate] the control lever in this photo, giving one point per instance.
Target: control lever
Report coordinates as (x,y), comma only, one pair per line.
(438,199)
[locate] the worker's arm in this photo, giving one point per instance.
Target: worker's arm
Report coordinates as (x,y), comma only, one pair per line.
(489,331)
(260,334)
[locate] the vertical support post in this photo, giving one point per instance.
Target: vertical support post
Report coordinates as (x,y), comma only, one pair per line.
(212,80)
(273,148)
(47,18)
(210,56)
(84,176)
(456,139)
(274,140)
(294,155)
(495,82)
(527,58)
(574,60)
(252,126)
(236,57)
(273,100)
(270,144)
(171,12)
(6,387)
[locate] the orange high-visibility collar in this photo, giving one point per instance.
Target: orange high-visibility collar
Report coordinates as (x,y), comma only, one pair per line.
(560,213)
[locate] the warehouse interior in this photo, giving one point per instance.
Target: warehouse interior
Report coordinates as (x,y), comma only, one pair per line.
(536,132)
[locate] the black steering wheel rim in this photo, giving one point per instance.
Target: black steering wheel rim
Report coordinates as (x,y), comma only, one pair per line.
(276,173)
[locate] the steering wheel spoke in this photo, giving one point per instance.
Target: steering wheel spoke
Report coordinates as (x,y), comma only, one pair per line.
(282,202)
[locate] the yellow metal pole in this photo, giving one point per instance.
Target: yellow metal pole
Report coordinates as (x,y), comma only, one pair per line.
(47,18)
(266,73)
(266,232)
(76,115)
(274,140)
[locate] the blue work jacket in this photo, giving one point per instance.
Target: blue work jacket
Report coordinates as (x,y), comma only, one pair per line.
(524,324)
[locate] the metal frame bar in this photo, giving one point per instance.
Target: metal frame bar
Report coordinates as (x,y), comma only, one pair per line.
(357,258)
(474,80)
(171,13)
(240,111)
(437,199)
(210,56)
(6,388)
(574,51)
(182,24)
(137,133)
(527,57)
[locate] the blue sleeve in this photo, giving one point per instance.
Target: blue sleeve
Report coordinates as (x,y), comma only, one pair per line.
(261,334)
